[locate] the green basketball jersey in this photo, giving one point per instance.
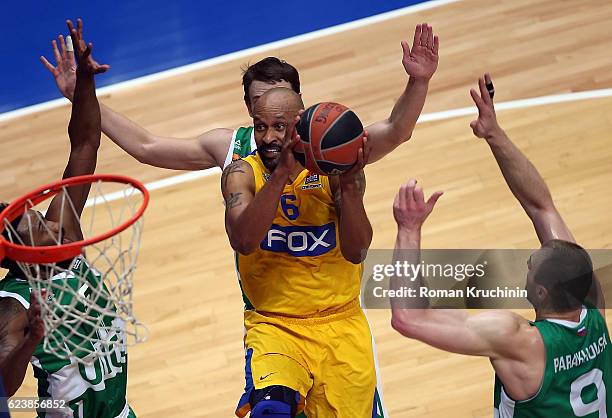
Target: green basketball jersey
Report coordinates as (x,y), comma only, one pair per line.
(578,371)
(243,143)
(96,389)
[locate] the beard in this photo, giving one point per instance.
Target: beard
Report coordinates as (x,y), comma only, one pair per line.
(270,155)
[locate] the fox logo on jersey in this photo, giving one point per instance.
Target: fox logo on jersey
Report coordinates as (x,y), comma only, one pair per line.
(300,241)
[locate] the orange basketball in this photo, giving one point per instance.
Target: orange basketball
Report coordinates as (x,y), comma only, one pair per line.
(331,135)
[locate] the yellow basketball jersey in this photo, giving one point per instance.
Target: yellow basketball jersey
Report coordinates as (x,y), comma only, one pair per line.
(298,269)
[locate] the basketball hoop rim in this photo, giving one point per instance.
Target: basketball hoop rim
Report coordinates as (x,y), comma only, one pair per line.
(54,253)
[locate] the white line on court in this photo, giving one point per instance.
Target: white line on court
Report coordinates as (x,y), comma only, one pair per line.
(430,117)
(235,55)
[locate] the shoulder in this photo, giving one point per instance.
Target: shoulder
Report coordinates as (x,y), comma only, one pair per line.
(507,332)
(11,309)
(218,134)
(16,289)
(239,171)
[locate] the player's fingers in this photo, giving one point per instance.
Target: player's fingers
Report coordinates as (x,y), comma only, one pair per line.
(56,53)
(75,37)
(417,36)
(367,149)
(47,64)
(80,27)
(402,196)
(473,125)
(477,99)
(430,37)
(70,26)
(34,305)
(436,46)
(396,200)
(62,44)
(87,51)
(431,202)
(424,34)
(405,49)
(102,68)
(484,94)
(410,192)
(489,85)
(419,199)
(69,44)
(360,160)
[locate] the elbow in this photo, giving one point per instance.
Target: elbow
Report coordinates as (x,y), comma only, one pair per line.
(400,135)
(81,137)
(355,256)
(402,323)
(143,153)
(404,138)
(243,245)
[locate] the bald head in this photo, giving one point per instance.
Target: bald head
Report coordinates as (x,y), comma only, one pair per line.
(279,100)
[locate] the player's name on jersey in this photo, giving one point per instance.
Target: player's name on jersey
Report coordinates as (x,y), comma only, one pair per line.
(589,353)
(469,292)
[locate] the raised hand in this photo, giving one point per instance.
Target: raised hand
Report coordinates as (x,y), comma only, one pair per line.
(85,61)
(422,60)
(287,160)
(486,125)
(64,72)
(410,209)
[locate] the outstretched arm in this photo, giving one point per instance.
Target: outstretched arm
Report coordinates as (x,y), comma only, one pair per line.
(84,133)
(20,332)
(487,334)
(420,64)
(205,151)
(520,174)
(524,180)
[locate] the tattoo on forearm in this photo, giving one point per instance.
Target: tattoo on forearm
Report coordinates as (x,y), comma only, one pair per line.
(235,167)
(360,181)
(233,200)
(360,184)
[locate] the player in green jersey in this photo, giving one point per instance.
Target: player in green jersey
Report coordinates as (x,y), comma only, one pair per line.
(560,365)
(93,387)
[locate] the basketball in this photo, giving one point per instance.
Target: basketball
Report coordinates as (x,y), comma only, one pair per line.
(331,135)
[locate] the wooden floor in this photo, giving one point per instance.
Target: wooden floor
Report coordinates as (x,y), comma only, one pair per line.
(187,293)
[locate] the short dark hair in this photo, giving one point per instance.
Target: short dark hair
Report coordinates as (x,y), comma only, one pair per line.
(270,70)
(566,271)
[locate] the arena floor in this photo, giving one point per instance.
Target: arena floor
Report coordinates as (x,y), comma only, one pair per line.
(187,292)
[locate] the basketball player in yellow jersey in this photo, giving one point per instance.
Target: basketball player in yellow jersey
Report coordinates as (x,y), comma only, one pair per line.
(299,254)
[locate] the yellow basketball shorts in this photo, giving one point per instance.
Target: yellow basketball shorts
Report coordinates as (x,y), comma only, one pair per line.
(328,360)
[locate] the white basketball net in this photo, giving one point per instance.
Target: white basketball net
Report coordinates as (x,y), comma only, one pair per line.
(88,311)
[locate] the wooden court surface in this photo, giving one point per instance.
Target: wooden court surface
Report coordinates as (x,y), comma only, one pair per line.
(187,293)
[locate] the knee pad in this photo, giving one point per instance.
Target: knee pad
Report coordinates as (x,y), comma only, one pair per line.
(274,402)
